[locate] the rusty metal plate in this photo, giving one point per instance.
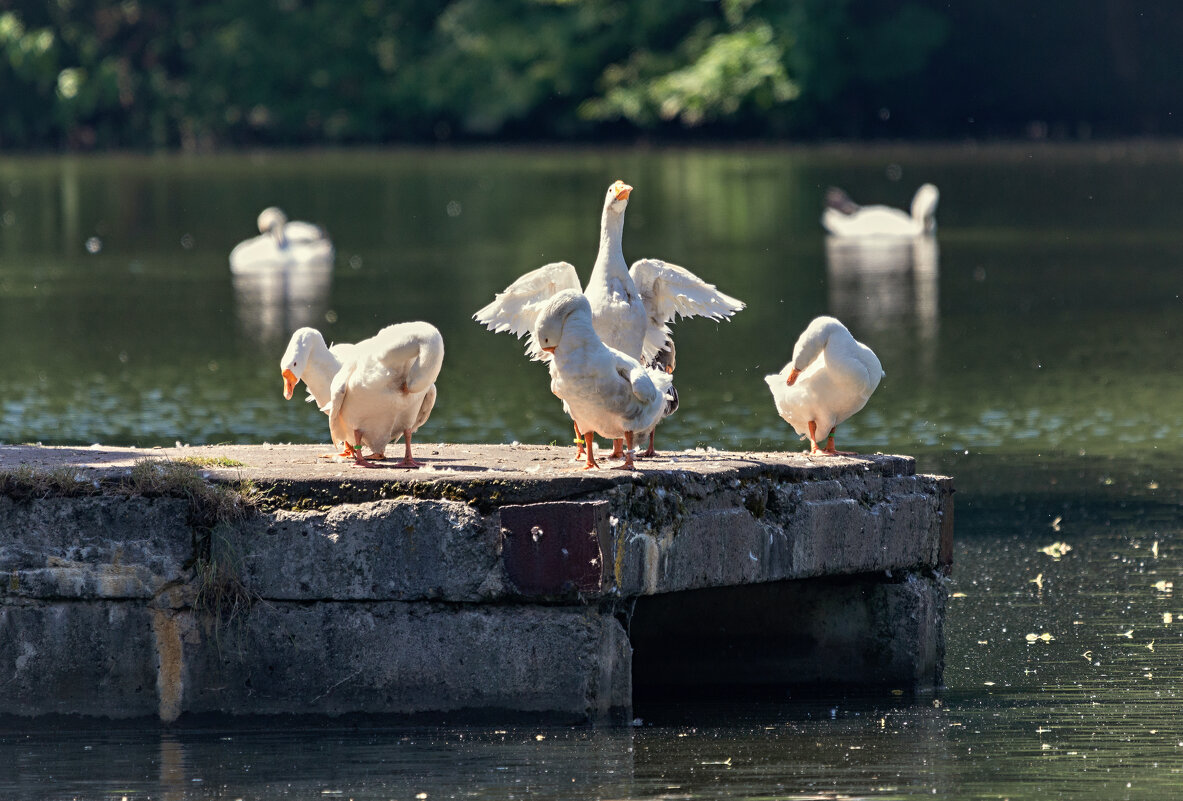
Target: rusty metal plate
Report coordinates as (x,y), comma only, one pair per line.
(554,548)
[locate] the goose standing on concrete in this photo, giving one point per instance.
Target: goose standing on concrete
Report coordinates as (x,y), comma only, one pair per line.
(281,244)
(631,308)
(830,378)
(602,389)
(843,217)
(384,390)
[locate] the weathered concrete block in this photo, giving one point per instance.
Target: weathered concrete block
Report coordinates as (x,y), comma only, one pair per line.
(90,658)
(409,658)
(715,548)
(397,598)
(385,550)
(93,547)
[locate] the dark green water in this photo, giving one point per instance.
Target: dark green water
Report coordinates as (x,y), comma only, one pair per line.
(1037,363)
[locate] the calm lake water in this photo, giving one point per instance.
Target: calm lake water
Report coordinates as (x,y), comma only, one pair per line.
(1031,351)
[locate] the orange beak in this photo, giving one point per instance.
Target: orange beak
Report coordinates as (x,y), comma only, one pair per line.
(551,349)
(793,376)
(622,190)
(289,383)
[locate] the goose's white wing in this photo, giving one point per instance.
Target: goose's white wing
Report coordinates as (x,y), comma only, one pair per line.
(668,292)
(336,403)
(515,309)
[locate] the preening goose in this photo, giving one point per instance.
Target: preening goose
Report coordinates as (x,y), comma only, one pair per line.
(830,378)
(602,389)
(844,217)
(385,389)
(631,308)
(281,243)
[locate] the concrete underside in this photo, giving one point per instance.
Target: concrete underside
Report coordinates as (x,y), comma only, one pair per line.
(499,582)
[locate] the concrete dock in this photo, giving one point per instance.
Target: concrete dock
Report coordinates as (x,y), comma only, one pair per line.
(498,581)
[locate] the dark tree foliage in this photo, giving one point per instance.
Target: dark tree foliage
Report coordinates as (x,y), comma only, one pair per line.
(199,75)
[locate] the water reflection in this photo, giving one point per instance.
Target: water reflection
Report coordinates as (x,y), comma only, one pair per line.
(273,300)
(885,283)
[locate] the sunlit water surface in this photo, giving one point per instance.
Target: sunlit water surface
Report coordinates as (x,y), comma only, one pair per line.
(1031,351)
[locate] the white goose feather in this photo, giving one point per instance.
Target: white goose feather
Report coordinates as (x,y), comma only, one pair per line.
(833,376)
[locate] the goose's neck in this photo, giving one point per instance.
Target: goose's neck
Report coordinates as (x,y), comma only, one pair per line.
(426,366)
(811,344)
(318,374)
(579,338)
(611,252)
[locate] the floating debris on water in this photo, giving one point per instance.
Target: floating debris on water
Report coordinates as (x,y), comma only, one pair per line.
(1056,550)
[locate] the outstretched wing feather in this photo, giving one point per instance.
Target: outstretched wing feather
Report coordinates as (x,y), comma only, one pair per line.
(668,292)
(515,309)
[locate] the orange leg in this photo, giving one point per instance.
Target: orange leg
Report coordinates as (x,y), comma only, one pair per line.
(649,454)
(829,449)
(355,452)
(591,460)
(578,441)
(617,449)
(407,460)
(628,454)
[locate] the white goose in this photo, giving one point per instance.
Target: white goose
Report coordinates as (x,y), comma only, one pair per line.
(602,389)
(844,217)
(281,244)
(385,389)
(830,378)
(631,308)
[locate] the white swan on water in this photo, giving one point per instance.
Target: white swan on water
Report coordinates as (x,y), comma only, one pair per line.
(843,217)
(281,243)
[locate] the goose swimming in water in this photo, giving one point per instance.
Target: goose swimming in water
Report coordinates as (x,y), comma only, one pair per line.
(843,217)
(281,243)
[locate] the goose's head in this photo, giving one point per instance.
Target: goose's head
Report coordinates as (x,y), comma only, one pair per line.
(666,358)
(295,358)
(924,207)
(552,318)
(272,221)
(617,197)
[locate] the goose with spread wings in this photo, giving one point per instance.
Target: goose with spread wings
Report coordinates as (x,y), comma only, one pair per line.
(631,307)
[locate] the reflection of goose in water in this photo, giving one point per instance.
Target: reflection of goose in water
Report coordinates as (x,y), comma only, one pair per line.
(273,301)
(281,277)
(843,217)
(881,283)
